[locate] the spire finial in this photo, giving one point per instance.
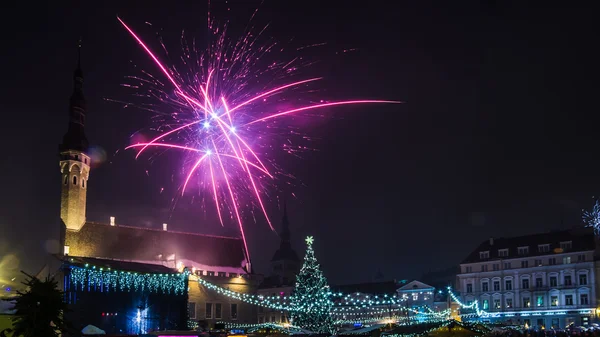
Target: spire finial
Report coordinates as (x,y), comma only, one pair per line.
(79,54)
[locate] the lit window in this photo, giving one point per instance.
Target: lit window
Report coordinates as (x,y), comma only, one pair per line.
(509,302)
(554,301)
(539,301)
(566,260)
(526,302)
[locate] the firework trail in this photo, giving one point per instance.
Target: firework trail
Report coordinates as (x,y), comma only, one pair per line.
(222,115)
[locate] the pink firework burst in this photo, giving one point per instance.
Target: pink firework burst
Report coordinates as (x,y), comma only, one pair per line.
(224,104)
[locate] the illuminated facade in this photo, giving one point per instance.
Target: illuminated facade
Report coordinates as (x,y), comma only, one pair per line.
(221,260)
(546,280)
(74,161)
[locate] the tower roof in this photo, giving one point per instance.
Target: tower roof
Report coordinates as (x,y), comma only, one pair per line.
(75,138)
(285,251)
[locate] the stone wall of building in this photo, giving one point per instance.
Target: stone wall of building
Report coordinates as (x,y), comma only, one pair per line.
(200,299)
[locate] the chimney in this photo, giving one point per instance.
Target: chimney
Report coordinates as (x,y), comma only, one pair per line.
(112,220)
(491,241)
(164,227)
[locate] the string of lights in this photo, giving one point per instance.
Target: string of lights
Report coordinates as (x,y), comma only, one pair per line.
(474,305)
(92,277)
(284,304)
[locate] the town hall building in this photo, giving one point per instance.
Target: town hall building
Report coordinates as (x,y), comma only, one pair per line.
(218,259)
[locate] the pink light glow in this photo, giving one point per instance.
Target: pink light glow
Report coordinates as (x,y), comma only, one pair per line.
(232,153)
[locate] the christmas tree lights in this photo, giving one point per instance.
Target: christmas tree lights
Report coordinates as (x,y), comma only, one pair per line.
(89,277)
(312,294)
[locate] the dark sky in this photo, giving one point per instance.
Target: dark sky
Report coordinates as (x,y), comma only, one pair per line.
(498,135)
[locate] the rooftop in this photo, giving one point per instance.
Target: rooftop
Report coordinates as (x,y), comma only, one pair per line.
(103,241)
(581,239)
(121,265)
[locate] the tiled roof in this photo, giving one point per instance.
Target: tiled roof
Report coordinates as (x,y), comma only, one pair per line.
(121,265)
(145,244)
(582,239)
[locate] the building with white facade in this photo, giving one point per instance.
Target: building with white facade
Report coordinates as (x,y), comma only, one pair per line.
(545,280)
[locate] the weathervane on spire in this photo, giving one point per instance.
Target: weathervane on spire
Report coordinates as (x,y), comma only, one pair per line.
(309,240)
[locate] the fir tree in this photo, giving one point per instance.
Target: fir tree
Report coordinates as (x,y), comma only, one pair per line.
(40,309)
(312,296)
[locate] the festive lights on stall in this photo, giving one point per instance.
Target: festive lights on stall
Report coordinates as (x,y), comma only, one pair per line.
(101,279)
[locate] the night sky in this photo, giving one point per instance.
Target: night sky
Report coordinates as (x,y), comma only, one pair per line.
(497,135)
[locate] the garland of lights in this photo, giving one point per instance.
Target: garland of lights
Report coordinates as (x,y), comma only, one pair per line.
(248,298)
(474,305)
(285,305)
(87,277)
(270,325)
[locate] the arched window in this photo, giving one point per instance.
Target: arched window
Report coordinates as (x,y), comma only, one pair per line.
(74,180)
(83,183)
(66,179)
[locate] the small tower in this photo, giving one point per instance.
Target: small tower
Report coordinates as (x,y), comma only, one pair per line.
(285,262)
(74,160)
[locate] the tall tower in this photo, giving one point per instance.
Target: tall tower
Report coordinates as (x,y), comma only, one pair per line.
(74,161)
(285,262)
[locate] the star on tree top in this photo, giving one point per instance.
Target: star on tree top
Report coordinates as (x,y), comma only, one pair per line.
(309,240)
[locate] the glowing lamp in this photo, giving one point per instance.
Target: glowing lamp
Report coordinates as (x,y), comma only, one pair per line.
(112,220)
(164,227)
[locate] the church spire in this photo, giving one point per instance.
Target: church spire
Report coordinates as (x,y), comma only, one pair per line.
(75,138)
(285,226)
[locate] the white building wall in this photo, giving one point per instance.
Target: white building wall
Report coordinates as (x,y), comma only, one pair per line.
(526,283)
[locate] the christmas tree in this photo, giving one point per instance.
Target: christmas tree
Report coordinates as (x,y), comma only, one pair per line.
(312,296)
